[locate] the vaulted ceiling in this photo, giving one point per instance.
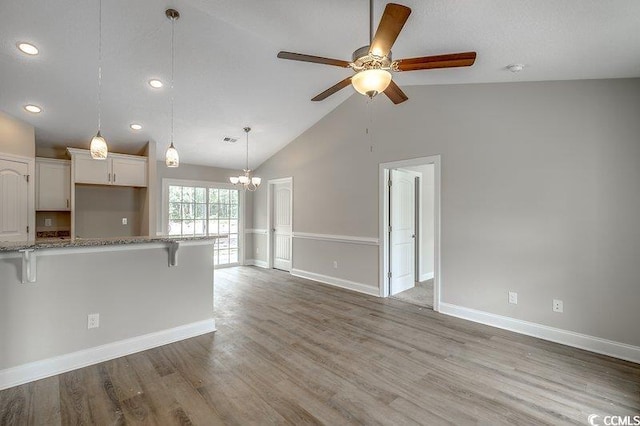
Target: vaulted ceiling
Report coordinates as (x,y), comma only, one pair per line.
(228,76)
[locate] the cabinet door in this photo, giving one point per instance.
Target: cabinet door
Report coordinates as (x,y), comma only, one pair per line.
(53,186)
(129,171)
(14,202)
(88,170)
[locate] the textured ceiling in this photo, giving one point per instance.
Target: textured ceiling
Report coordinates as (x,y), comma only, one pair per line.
(228,76)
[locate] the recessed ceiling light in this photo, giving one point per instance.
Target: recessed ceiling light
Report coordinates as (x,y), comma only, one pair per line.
(135,126)
(156,84)
(515,67)
(33,108)
(28,48)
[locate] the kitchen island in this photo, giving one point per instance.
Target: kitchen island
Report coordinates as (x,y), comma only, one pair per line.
(146,291)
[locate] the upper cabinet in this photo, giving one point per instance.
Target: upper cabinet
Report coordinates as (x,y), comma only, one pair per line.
(117,169)
(53,185)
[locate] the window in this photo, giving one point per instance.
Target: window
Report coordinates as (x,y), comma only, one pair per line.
(201,208)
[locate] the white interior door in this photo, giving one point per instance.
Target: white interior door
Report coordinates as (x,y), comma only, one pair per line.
(14,201)
(282,226)
(402,232)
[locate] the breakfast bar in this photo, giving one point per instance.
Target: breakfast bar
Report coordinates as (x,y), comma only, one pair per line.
(65,304)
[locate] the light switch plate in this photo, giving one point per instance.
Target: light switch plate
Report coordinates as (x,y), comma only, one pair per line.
(513,297)
(124,221)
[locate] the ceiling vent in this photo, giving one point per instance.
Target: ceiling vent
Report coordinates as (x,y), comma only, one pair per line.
(229,139)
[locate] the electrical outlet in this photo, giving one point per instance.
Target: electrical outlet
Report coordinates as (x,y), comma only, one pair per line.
(124,221)
(513,297)
(335,264)
(558,306)
(93,320)
(48,222)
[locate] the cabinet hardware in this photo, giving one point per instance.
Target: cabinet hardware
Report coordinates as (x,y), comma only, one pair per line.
(67,203)
(109,177)
(114,178)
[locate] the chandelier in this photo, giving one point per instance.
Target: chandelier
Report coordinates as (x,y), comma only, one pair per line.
(249,182)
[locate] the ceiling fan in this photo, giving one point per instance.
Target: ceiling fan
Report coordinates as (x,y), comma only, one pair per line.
(373,64)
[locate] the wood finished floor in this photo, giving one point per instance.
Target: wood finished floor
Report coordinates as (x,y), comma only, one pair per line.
(291,351)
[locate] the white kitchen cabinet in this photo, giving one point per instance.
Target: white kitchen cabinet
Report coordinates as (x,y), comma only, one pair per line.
(53,185)
(129,171)
(117,169)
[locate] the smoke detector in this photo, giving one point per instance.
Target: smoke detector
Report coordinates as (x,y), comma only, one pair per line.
(229,139)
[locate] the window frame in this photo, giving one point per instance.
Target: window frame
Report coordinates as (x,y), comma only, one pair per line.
(167,182)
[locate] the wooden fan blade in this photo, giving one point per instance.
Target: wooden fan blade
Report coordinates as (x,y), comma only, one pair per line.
(333,89)
(314,59)
(394,93)
(441,61)
(392,21)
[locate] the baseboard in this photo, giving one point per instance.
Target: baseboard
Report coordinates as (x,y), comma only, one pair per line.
(256,262)
(337,282)
(565,337)
(426,277)
(37,370)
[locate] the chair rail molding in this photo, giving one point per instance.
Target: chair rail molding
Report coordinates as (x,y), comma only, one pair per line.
(369,241)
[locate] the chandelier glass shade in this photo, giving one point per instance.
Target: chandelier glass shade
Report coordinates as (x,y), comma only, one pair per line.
(247,180)
(370,82)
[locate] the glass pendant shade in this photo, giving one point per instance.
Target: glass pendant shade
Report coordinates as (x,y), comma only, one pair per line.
(234,179)
(171,158)
(371,82)
(99,150)
(256,181)
(243,179)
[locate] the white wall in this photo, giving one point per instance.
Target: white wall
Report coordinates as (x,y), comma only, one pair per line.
(426,234)
(540,195)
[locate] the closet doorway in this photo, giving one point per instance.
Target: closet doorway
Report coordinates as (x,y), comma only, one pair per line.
(410,252)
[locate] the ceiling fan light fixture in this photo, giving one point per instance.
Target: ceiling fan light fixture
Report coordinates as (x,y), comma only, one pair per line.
(371,82)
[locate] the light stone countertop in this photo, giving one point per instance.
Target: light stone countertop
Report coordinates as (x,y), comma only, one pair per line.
(51,243)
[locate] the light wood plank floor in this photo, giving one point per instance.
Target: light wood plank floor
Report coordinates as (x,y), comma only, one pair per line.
(291,351)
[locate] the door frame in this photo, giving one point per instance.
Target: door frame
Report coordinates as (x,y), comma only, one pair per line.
(384,223)
(270,185)
(31,188)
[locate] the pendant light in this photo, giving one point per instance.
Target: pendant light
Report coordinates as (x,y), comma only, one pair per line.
(249,183)
(98,147)
(171,158)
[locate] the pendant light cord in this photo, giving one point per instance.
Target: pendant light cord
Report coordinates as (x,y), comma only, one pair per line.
(173,23)
(247,131)
(99,64)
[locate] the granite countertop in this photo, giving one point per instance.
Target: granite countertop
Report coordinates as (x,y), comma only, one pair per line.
(96,242)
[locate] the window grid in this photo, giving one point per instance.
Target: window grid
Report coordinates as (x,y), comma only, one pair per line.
(195,211)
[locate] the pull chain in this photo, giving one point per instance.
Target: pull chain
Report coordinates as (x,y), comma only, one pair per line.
(369,130)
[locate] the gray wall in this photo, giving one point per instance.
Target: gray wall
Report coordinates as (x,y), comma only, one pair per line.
(539,194)
(134,291)
(100,209)
(16,137)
